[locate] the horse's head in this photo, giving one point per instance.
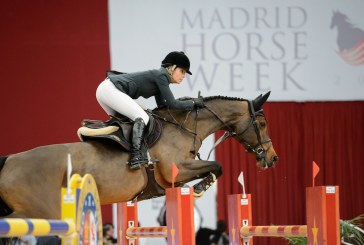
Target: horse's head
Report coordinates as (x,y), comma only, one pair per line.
(338,19)
(251,131)
(244,120)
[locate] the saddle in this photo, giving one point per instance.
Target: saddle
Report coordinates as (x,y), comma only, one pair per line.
(119,130)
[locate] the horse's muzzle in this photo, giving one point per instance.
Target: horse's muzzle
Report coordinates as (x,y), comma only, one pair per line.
(275,159)
(267,162)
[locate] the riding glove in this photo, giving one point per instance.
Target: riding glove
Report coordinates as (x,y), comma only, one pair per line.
(198,102)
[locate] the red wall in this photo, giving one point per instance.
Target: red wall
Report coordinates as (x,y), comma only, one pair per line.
(53,54)
(329,133)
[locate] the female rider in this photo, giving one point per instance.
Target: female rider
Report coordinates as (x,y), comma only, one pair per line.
(118,91)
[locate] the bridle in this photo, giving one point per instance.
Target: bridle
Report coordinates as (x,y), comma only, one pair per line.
(257,149)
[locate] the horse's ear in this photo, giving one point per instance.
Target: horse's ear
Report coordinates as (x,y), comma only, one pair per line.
(260,96)
(260,100)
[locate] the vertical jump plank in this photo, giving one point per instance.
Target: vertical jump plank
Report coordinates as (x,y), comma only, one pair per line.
(127,216)
(239,214)
(323,215)
(180,216)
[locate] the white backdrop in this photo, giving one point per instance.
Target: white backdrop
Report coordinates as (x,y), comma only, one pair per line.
(243,48)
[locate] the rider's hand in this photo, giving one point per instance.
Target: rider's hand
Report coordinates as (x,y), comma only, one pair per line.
(198,102)
(184,98)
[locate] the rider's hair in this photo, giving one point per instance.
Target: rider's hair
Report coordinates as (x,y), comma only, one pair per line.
(170,69)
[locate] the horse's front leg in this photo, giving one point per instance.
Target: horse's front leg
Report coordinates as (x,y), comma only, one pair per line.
(190,170)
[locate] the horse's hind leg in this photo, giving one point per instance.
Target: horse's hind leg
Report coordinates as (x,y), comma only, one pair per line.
(195,169)
(30,184)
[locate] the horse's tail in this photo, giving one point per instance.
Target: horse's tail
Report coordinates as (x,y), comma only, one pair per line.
(4,208)
(2,161)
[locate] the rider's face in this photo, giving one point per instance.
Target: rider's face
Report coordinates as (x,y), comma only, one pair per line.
(178,75)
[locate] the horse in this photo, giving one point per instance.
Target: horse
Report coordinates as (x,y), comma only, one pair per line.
(348,36)
(30,181)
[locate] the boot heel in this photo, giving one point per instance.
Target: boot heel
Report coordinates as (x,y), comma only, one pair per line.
(135,166)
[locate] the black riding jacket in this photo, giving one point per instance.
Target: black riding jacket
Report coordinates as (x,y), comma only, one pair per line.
(147,84)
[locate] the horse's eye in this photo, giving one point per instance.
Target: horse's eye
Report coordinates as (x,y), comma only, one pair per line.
(262,124)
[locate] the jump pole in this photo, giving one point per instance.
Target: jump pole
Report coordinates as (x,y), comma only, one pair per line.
(180,220)
(322,214)
(81,216)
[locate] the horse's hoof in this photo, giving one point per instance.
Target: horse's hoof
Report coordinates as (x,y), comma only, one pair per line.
(202,186)
(199,189)
(198,194)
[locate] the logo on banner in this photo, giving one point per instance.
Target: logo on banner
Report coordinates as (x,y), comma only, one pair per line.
(350,39)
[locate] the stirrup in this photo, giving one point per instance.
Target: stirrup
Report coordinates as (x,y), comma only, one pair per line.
(137,164)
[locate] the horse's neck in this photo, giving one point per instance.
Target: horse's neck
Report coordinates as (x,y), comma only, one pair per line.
(344,27)
(219,114)
(208,124)
(200,122)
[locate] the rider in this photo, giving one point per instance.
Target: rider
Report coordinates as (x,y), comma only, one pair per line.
(118,91)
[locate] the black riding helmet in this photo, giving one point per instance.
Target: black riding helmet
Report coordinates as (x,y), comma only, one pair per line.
(177,58)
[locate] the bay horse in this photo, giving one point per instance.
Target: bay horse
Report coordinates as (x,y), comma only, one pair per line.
(31,181)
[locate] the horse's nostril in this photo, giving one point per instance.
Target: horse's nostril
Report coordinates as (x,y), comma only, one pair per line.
(275,159)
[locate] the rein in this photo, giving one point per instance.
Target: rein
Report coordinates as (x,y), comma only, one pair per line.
(257,149)
(174,122)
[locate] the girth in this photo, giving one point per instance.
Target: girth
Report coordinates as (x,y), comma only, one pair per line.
(152,188)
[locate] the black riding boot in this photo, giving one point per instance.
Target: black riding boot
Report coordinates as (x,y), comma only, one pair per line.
(136,154)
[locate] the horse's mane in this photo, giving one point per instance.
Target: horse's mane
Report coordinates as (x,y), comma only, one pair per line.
(220,97)
(205,99)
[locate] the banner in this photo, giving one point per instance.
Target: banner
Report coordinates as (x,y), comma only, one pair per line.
(299,50)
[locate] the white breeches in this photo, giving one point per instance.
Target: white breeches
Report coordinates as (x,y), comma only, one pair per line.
(113,100)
